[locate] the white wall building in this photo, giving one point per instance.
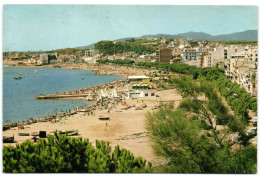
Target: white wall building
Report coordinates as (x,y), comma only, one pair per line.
(141,94)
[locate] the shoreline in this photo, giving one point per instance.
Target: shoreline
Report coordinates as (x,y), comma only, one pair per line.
(99,69)
(66,94)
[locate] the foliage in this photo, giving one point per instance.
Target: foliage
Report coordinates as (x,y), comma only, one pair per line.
(183,69)
(194,44)
(61,154)
(117,61)
(236,42)
(188,137)
(66,51)
(186,147)
(237,97)
(203,102)
(111,48)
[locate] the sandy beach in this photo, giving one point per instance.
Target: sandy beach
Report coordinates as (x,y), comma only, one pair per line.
(102,69)
(126,128)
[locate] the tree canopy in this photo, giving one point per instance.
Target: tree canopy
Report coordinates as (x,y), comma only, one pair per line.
(60,154)
(196,137)
(111,48)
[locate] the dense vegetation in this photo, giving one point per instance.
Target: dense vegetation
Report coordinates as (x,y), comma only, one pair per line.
(111,48)
(236,42)
(70,51)
(60,154)
(189,137)
(238,99)
(118,61)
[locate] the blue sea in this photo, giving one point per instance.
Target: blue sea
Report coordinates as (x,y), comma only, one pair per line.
(19,101)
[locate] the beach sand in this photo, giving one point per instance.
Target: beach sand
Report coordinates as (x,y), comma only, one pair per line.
(126,128)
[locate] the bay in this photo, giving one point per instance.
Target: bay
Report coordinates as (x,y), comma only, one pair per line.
(19,95)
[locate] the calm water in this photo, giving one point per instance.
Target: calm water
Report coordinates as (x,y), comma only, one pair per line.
(19,95)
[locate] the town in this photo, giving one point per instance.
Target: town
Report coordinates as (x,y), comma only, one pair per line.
(237,58)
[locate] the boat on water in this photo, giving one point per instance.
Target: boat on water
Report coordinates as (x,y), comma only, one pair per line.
(35,71)
(8,139)
(20,76)
(17,78)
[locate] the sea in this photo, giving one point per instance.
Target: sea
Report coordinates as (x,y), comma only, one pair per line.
(19,96)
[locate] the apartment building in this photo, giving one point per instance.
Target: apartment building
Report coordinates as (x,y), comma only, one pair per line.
(163,54)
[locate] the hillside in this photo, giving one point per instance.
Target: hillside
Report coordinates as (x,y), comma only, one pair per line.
(249,35)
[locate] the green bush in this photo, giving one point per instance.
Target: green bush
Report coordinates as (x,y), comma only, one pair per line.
(61,154)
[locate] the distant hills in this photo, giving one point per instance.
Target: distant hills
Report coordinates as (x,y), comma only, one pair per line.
(249,35)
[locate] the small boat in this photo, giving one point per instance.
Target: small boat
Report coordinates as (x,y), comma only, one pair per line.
(69,132)
(103,118)
(8,139)
(6,127)
(23,134)
(17,78)
(50,116)
(35,71)
(14,124)
(72,133)
(82,110)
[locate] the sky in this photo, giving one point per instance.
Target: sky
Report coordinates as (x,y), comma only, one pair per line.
(49,27)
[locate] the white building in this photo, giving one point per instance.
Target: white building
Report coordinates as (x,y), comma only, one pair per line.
(43,59)
(141,94)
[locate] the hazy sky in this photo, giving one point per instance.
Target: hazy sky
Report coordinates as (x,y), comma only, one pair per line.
(47,27)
